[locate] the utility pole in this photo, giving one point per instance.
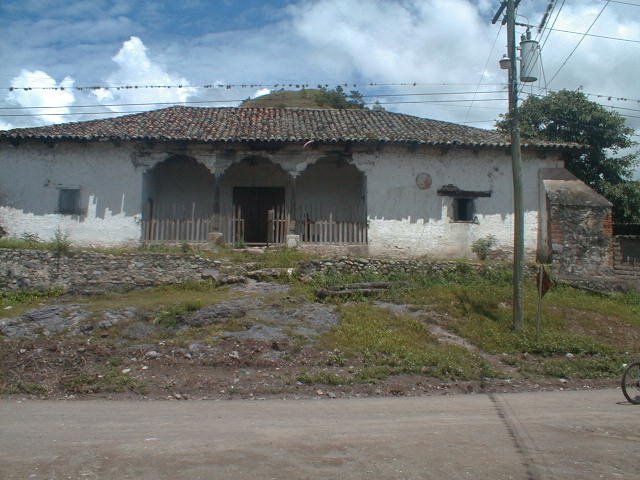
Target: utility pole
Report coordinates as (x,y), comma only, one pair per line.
(516,166)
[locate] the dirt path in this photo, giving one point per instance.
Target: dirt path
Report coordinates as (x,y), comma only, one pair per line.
(539,436)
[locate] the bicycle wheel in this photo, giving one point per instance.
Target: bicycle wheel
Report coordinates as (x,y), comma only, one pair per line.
(631,383)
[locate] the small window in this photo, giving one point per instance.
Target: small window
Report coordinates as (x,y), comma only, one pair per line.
(69,201)
(463,210)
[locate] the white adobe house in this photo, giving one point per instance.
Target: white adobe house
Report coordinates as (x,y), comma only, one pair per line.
(390,183)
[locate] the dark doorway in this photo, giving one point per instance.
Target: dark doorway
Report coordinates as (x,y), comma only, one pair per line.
(255,202)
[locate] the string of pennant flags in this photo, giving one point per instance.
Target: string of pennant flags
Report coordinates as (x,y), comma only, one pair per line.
(298,86)
(227,86)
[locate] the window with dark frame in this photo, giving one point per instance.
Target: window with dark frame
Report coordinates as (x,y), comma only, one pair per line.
(463,202)
(69,201)
(463,210)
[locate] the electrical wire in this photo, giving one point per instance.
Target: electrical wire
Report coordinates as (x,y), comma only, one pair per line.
(620,39)
(484,69)
(578,44)
(552,25)
(234,101)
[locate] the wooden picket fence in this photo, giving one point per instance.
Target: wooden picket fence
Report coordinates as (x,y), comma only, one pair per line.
(330,231)
(193,225)
(173,231)
(278,221)
(234,233)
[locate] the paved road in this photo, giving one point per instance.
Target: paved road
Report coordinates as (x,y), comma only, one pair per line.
(553,435)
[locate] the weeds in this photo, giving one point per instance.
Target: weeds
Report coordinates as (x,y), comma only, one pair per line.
(61,243)
(482,247)
(391,344)
(171,317)
(13,298)
(112,381)
(25,388)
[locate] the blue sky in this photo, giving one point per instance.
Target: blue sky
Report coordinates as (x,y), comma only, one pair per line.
(446,47)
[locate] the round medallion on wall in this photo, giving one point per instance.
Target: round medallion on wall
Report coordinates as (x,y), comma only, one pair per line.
(423,181)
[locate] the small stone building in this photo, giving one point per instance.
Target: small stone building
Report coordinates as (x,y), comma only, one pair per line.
(578,238)
(379,182)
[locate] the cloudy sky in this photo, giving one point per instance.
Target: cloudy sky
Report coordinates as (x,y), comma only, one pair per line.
(432,58)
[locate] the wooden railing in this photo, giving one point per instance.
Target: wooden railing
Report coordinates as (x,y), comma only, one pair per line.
(166,231)
(234,233)
(330,231)
(195,229)
(278,221)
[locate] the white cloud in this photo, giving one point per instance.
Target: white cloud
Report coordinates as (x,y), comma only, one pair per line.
(134,67)
(41,93)
(441,44)
(261,92)
(5,125)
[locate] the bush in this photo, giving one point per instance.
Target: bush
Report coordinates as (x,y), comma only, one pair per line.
(61,244)
(482,247)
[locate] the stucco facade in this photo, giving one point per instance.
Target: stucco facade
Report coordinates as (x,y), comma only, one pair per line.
(398,189)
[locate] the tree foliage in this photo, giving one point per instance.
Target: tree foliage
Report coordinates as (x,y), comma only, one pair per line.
(337,98)
(569,116)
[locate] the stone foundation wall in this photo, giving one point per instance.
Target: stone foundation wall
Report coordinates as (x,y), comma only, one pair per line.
(91,272)
(350,265)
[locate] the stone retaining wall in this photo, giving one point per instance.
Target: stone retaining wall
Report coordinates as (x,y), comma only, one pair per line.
(91,272)
(349,265)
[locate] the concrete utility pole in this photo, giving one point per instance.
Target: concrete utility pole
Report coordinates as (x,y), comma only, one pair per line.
(516,166)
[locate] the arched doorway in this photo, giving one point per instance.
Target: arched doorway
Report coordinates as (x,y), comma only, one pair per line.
(249,191)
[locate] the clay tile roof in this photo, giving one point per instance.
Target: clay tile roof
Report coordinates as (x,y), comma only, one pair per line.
(272,125)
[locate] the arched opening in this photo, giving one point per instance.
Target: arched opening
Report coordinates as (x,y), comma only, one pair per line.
(179,198)
(331,202)
(249,191)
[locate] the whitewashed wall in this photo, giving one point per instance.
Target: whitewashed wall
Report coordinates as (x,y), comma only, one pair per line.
(110,191)
(406,220)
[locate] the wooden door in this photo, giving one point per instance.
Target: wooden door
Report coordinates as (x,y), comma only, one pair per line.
(255,202)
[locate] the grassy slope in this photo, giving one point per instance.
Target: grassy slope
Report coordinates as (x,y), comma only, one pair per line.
(289,99)
(584,335)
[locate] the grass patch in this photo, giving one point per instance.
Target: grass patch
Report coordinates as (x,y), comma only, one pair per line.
(28,244)
(199,293)
(23,299)
(113,381)
(389,344)
(170,317)
(24,388)
(599,366)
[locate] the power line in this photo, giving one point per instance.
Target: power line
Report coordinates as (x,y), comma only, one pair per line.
(230,86)
(578,44)
(484,69)
(230,101)
(552,25)
(620,39)
(624,3)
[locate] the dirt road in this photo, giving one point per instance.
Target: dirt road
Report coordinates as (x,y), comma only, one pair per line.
(550,435)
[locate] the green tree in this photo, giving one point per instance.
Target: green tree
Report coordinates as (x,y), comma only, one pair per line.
(569,116)
(337,98)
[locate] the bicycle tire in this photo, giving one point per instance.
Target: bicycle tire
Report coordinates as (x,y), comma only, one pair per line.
(631,383)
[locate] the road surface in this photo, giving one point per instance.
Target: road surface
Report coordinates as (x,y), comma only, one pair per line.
(545,435)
